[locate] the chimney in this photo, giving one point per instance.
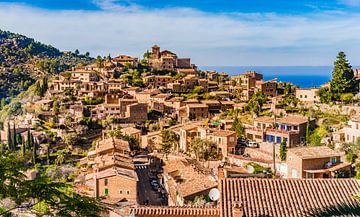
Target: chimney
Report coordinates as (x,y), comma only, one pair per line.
(237,209)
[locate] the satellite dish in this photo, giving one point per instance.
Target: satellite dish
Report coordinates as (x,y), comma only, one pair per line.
(214,194)
(250,169)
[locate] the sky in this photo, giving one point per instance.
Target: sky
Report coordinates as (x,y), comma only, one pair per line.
(211,32)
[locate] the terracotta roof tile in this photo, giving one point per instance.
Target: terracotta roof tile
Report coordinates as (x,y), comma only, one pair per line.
(284,197)
(314,152)
(176,211)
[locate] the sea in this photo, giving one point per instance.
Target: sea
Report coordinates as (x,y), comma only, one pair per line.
(304,76)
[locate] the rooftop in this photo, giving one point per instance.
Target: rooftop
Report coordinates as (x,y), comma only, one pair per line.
(112,143)
(197,105)
(314,152)
(284,197)
(188,180)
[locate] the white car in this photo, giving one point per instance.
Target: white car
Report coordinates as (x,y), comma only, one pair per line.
(253,144)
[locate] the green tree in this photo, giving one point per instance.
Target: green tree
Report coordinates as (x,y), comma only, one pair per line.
(237,127)
(9,139)
(198,89)
(28,140)
(19,139)
(204,149)
(346,97)
(308,131)
(2,103)
(283,151)
(325,95)
(99,62)
(58,198)
(256,102)
(15,142)
(351,156)
(287,89)
(34,152)
(23,149)
(169,139)
(342,77)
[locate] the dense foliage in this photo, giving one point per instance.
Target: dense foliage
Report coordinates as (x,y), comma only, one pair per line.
(54,198)
(23,61)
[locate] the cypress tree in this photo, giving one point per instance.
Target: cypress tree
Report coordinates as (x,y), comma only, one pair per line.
(9,140)
(283,150)
(34,152)
(48,154)
(342,77)
(28,140)
(15,142)
(307,136)
(23,149)
(19,139)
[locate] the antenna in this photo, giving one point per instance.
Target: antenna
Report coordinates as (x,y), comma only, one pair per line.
(214,194)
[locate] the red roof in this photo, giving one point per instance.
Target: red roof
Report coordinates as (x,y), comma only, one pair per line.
(284,197)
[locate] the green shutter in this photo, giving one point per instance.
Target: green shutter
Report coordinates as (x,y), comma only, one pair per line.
(106,191)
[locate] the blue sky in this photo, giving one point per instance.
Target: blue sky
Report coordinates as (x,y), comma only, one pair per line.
(247,6)
(227,32)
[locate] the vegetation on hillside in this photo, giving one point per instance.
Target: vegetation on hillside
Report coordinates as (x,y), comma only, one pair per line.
(23,61)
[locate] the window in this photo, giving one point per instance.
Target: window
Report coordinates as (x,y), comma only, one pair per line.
(305,96)
(294,173)
(106,182)
(106,191)
(300,96)
(127,192)
(120,191)
(333,160)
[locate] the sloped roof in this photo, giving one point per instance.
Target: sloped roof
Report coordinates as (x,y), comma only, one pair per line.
(315,152)
(284,197)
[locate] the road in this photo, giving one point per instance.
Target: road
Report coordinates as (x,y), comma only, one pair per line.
(145,191)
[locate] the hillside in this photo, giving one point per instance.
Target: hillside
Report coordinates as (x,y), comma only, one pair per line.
(24,60)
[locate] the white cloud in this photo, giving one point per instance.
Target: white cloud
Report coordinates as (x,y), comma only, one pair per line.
(210,39)
(350,2)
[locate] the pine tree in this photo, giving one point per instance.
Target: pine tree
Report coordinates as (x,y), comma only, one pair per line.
(342,77)
(9,140)
(283,150)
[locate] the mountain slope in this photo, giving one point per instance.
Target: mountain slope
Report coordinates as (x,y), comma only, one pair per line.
(24,60)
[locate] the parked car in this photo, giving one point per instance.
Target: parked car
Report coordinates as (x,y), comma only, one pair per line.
(253,144)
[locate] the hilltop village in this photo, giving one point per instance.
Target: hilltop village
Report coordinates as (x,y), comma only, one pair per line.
(157,136)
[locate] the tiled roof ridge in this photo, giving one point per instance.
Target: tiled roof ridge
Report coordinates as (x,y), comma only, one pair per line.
(177,210)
